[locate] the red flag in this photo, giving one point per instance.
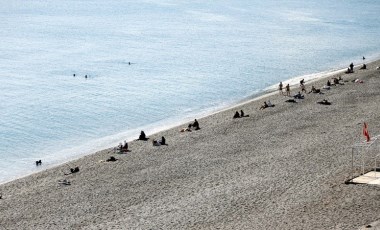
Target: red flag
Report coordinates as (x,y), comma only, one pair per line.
(365,132)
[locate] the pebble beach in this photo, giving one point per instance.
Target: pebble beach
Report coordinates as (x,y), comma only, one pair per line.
(283,167)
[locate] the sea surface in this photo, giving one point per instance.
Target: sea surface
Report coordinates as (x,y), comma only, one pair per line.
(153,64)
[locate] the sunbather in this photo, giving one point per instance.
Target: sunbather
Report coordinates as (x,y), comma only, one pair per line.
(163,141)
(299,96)
(237,115)
(264,106)
(291,101)
(143,136)
(111,159)
(242,114)
(324,102)
(314,90)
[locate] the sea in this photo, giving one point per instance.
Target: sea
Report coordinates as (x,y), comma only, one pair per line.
(78,76)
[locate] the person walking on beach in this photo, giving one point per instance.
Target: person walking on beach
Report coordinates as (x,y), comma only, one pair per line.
(287,90)
(280,88)
(302,86)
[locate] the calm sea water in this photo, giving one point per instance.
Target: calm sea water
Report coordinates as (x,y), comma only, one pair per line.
(188,58)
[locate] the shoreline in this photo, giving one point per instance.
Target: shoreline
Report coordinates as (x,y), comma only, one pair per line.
(280,168)
(153,129)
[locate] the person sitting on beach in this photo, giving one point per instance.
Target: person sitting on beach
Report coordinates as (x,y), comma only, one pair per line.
(196,125)
(163,141)
(336,81)
(349,70)
(299,96)
(364,66)
(264,106)
(74,170)
(237,115)
(242,114)
(142,136)
(125,146)
(328,83)
(324,102)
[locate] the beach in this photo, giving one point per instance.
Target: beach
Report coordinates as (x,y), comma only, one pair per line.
(283,167)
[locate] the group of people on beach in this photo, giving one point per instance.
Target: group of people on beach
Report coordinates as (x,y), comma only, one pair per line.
(240,115)
(287,89)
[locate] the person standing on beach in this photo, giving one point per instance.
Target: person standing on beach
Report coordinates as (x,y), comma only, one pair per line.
(302,87)
(287,90)
(280,88)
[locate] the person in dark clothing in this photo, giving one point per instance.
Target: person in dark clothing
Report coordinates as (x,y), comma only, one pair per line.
(352,67)
(237,115)
(163,140)
(142,136)
(196,125)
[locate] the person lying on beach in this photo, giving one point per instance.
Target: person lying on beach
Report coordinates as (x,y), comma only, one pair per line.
(363,67)
(314,90)
(324,102)
(236,115)
(143,136)
(111,159)
(155,142)
(358,81)
(64,182)
(73,170)
(242,114)
(264,106)
(185,130)
(270,104)
(291,101)
(326,87)
(299,96)
(349,71)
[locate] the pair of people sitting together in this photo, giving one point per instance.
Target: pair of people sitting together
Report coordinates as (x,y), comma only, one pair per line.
(123,147)
(158,143)
(237,115)
(195,125)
